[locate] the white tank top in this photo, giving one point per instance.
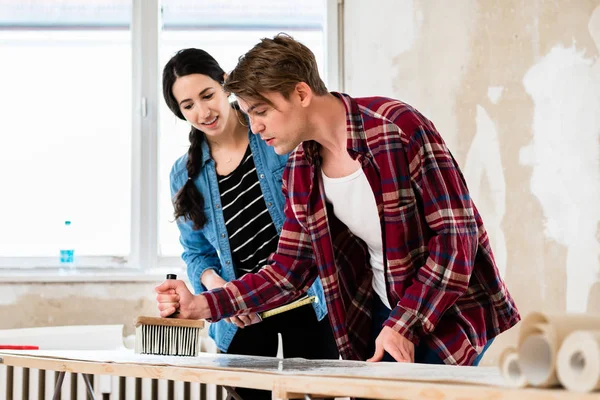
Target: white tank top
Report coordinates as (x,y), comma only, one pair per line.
(354,204)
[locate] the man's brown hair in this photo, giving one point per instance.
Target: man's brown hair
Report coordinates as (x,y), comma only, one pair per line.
(274,65)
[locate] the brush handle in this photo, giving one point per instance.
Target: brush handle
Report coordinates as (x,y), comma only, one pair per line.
(155,321)
(176,313)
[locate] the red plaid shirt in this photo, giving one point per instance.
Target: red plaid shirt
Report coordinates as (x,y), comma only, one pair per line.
(440,272)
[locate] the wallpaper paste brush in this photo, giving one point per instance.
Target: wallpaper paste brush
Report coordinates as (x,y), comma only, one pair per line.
(168,336)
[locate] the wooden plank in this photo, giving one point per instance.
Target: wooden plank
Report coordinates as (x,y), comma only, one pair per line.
(221,377)
(291,366)
(296,387)
(287,386)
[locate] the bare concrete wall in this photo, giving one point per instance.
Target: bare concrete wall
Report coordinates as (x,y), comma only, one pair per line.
(514,88)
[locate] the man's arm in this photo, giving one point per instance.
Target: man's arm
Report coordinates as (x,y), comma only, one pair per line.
(290,272)
(449,213)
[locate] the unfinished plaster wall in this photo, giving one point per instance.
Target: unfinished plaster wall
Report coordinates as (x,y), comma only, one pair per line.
(24,305)
(514,88)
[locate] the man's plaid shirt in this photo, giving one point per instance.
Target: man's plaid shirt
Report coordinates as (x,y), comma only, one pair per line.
(440,272)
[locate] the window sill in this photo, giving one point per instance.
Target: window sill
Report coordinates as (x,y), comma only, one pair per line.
(87,275)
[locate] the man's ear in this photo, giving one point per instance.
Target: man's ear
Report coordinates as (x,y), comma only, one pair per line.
(304,93)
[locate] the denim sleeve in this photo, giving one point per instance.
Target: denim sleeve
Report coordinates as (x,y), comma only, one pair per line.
(198,254)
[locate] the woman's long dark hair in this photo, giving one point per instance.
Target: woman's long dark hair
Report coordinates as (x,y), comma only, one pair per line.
(188,202)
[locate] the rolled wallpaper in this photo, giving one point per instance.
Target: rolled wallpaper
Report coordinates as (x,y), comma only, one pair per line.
(540,339)
(578,364)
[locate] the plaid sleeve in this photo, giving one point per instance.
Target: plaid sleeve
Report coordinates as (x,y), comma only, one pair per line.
(290,272)
(449,213)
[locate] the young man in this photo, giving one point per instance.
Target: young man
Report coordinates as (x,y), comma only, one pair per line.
(377,207)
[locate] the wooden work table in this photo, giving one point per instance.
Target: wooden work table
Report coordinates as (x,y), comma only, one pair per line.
(294,378)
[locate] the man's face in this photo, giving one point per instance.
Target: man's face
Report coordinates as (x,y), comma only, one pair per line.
(281,125)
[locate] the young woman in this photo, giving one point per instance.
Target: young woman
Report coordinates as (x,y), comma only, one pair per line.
(229,208)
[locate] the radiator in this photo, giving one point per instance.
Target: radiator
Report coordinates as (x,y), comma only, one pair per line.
(33,384)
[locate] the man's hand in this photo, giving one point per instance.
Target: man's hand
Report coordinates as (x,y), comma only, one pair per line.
(173,295)
(400,348)
(244,320)
(212,280)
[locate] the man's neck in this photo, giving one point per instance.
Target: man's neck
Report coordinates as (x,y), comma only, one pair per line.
(329,125)
(330,131)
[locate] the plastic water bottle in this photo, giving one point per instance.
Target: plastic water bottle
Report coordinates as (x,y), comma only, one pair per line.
(67,246)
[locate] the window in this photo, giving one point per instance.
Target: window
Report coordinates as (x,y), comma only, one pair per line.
(235,27)
(65,142)
(85,134)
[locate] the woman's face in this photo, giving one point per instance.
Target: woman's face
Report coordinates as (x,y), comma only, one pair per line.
(203,103)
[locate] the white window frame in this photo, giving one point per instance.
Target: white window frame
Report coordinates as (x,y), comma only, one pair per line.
(144,262)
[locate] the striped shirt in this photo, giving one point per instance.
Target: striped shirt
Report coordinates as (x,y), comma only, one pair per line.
(441,277)
(252,234)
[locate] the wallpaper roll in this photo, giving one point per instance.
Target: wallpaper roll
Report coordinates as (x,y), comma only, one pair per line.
(540,338)
(578,365)
(510,368)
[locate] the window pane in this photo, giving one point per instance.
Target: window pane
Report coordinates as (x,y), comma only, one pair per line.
(237,14)
(226,30)
(65,131)
(65,13)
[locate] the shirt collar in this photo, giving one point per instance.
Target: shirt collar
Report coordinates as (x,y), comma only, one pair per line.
(356,144)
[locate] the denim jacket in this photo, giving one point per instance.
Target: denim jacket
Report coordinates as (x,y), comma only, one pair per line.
(209,247)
